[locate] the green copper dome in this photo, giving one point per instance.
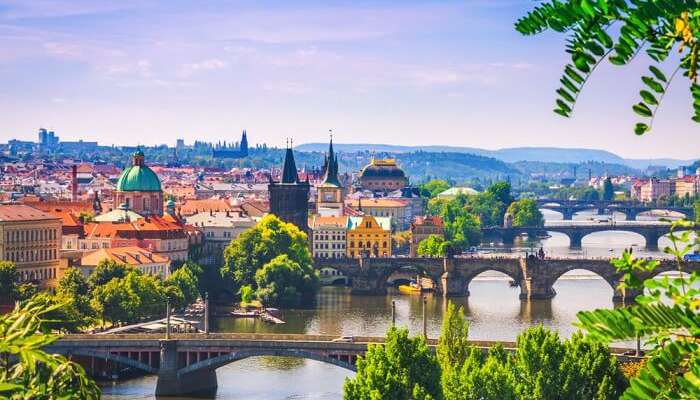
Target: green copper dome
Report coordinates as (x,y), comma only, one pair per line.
(138,177)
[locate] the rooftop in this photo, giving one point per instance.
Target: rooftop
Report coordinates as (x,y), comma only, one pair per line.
(21,212)
(130,255)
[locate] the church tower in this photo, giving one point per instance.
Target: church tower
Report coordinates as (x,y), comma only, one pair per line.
(329,199)
(289,199)
(244,144)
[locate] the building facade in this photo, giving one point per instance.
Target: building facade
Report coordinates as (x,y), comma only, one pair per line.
(219,228)
(289,198)
(328,236)
(31,239)
(398,210)
(369,236)
(422,227)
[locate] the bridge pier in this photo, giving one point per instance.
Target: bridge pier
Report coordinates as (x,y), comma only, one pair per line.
(630,214)
(626,296)
(452,283)
(567,213)
(652,240)
(575,239)
(171,383)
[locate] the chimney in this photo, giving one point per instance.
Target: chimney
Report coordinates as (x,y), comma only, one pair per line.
(74,183)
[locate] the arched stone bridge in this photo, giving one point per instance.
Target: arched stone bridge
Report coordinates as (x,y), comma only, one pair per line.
(576,232)
(452,276)
(186,364)
(630,208)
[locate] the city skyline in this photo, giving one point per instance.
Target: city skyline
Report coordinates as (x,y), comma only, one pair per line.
(423,73)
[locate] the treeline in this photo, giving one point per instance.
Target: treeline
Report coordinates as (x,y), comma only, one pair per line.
(113,293)
(541,367)
(465,215)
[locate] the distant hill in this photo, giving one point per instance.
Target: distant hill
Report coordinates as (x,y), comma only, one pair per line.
(515,154)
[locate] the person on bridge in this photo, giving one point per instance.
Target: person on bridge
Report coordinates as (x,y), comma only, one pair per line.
(541,253)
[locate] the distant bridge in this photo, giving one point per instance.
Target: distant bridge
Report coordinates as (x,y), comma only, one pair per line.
(651,231)
(187,363)
(452,276)
(630,208)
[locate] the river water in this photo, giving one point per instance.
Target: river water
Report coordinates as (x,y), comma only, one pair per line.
(493,310)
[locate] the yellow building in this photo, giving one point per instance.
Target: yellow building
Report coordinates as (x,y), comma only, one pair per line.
(32,240)
(369,236)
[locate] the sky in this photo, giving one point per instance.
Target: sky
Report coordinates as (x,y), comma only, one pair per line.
(399,72)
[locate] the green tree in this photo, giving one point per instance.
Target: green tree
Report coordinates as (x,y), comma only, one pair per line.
(29,372)
(259,245)
(502,191)
(656,27)
(105,271)
(590,371)
(247,294)
(667,316)
(608,190)
(284,282)
(589,194)
(74,286)
(432,246)
(433,187)
(537,362)
(8,282)
(113,302)
(483,377)
(453,349)
(696,209)
(401,368)
(526,213)
(185,280)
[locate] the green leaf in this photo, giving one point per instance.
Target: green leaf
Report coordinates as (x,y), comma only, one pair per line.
(565,95)
(648,97)
(653,85)
(642,109)
(641,128)
(657,73)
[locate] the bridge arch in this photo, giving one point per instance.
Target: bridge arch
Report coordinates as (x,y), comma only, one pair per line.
(578,241)
(609,275)
(126,361)
(224,359)
(469,276)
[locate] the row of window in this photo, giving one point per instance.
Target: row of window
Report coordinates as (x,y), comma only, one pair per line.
(31,255)
(37,274)
(368,245)
(329,237)
(326,245)
(27,235)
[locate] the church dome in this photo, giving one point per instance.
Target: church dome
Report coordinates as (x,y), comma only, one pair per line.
(138,177)
(382,169)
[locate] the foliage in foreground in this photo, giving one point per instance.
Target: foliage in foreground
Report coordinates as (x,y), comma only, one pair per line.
(656,27)
(668,317)
(36,374)
(542,367)
(433,246)
(402,368)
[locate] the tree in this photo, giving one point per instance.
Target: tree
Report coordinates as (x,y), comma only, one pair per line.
(696,209)
(526,213)
(29,372)
(433,187)
(401,368)
(8,282)
(608,190)
(258,246)
(502,191)
(453,350)
(113,302)
(667,316)
(482,377)
(657,27)
(105,271)
(185,280)
(589,194)
(284,282)
(74,286)
(536,365)
(433,246)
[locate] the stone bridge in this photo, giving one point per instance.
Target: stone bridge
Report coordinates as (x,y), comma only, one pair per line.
(630,208)
(452,276)
(576,232)
(186,363)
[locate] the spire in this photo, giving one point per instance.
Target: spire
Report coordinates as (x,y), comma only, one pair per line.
(331,173)
(289,171)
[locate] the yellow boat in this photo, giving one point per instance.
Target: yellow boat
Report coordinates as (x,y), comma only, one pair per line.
(410,289)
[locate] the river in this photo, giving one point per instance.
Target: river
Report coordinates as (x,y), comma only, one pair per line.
(493,310)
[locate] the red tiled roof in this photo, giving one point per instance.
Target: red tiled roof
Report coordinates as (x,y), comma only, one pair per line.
(21,212)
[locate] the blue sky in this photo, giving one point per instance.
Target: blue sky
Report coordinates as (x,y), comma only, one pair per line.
(403,72)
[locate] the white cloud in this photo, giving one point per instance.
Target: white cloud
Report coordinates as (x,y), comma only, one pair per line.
(211,64)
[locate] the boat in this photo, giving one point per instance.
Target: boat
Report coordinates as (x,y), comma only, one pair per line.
(412,288)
